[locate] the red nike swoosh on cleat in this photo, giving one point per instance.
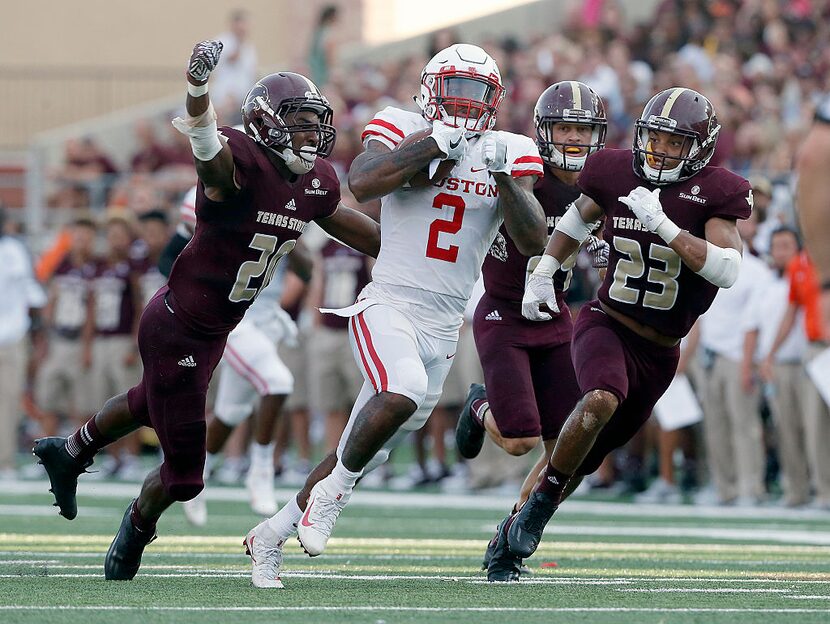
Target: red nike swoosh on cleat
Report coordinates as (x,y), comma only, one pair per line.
(251,548)
(304,520)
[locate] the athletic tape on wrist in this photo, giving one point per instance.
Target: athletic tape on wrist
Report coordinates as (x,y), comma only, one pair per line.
(197,90)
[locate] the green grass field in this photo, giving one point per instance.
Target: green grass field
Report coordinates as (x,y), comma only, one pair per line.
(415,558)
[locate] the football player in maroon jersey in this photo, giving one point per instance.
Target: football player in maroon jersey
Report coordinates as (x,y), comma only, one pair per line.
(670,219)
(258,190)
(531,387)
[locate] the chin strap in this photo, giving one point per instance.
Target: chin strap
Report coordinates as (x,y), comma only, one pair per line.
(296,163)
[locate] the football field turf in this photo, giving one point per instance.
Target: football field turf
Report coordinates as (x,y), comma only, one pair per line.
(415,558)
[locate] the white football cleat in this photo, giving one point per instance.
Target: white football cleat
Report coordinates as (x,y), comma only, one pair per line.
(324,506)
(195,510)
(266,557)
(260,484)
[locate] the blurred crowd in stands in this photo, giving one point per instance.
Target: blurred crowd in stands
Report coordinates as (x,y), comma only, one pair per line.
(763,63)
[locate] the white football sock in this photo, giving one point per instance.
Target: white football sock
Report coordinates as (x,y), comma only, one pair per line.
(343,478)
(284,522)
(262,454)
(210,462)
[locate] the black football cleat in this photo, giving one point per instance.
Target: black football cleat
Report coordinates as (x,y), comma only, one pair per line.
(503,566)
(525,532)
(491,549)
(63,471)
(124,556)
(469,434)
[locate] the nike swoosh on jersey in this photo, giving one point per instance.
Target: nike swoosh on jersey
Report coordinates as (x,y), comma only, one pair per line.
(449,357)
(474,170)
(456,144)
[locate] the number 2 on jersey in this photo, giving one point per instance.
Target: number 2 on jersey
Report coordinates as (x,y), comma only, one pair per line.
(448,226)
(264,265)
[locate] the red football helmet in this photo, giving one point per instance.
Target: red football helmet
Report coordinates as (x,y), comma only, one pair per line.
(682,112)
(266,107)
(569,102)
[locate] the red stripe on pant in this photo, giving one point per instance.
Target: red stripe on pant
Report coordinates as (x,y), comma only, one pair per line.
(384,378)
(246,370)
(362,355)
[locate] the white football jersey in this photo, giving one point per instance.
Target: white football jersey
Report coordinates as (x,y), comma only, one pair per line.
(434,238)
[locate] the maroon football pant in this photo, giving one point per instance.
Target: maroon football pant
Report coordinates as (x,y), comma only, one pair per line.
(609,356)
(178,364)
(530,380)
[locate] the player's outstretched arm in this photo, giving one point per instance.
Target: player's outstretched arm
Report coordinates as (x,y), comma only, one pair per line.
(213,158)
(378,171)
(354,229)
(716,258)
(523,214)
(301,262)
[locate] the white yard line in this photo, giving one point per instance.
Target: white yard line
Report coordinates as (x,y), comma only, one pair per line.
(477,579)
(483,501)
(557,530)
(374,608)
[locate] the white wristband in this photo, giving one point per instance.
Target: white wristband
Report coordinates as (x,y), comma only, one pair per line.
(667,230)
(548,265)
(196,90)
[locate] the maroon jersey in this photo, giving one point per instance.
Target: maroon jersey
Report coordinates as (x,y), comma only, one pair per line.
(70,284)
(238,242)
(345,273)
(505,269)
(114,298)
(646,280)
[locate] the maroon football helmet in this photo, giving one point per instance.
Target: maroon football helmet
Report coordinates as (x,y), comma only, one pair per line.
(682,112)
(570,102)
(272,99)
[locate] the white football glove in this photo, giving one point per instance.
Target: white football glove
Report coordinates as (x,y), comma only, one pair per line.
(203,60)
(451,141)
(538,291)
(646,205)
(599,251)
(494,153)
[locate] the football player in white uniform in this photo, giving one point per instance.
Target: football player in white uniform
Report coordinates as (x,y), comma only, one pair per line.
(434,236)
(250,370)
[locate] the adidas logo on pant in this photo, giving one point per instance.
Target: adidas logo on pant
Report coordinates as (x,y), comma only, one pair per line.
(188,362)
(493,316)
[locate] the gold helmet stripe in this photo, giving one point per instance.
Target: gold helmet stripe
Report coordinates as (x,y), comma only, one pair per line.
(670,101)
(577,94)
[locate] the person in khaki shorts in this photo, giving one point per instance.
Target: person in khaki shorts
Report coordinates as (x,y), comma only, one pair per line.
(805,294)
(62,382)
(783,371)
(21,294)
(731,408)
(115,306)
(335,380)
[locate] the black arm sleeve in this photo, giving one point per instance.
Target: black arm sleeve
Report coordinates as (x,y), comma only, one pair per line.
(174,247)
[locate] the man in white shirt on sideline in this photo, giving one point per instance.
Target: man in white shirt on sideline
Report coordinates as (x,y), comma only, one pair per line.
(21,292)
(732,419)
(784,388)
